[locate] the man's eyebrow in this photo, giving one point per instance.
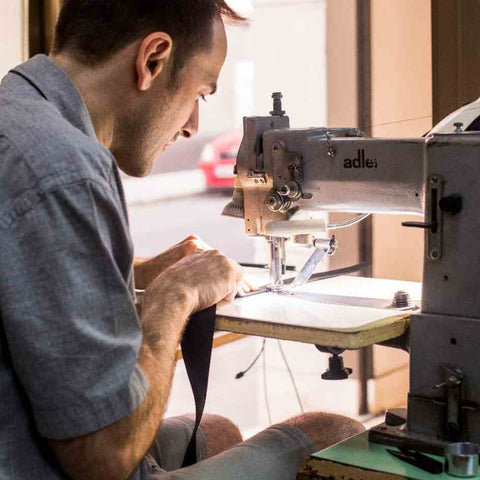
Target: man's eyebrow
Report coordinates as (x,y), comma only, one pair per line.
(213,87)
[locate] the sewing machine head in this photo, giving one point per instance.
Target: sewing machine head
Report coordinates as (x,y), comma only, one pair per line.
(285,177)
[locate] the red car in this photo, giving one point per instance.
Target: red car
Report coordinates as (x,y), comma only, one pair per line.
(218,158)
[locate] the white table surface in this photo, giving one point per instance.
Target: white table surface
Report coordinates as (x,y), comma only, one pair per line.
(302,316)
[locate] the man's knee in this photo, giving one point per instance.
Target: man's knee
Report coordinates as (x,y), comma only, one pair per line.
(220,433)
(325,429)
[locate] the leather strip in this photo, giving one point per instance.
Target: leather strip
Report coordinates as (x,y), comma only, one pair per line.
(197,352)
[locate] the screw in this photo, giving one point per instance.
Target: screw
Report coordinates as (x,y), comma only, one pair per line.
(277,146)
(434,254)
(434,180)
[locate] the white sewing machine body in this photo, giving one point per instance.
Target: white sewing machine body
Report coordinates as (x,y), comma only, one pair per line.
(285,176)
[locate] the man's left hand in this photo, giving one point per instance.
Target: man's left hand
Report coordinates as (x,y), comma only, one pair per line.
(147,269)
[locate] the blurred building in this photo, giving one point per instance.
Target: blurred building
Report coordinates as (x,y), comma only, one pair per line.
(283,48)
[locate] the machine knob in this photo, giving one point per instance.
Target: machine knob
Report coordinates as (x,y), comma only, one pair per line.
(291,190)
(275,202)
(451,204)
(277,105)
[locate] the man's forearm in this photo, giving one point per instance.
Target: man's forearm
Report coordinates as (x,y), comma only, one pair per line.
(139,272)
(115,451)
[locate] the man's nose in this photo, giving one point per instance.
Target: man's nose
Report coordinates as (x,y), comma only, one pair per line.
(191,127)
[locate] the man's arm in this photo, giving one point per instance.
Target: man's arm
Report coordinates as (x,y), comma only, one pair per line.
(115,451)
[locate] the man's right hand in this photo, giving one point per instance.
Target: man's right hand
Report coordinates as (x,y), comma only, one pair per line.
(205,278)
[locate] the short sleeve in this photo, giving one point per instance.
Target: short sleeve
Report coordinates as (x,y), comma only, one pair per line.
(67,307)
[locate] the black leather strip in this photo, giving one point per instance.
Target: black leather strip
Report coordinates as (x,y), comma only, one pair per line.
(197,352)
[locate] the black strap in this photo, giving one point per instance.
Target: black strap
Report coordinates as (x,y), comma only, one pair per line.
(197,351)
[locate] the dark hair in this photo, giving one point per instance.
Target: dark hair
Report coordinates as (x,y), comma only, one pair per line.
(95,30)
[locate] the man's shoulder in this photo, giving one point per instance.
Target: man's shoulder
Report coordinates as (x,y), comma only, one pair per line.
(40,151)
(48,144)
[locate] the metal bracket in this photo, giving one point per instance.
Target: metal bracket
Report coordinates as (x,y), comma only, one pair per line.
(453,380)
(434,235)
(434,223)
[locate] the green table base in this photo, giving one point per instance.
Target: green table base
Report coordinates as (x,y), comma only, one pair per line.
(359,452)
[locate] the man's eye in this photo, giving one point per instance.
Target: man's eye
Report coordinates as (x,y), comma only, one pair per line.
(203,97)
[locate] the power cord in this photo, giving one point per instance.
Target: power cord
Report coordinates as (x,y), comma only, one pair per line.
(265,388)
(292,378)
(243,372)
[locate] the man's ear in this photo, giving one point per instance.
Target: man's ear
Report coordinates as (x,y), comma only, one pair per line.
(153,53)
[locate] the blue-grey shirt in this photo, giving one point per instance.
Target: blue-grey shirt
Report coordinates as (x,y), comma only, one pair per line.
(69,332)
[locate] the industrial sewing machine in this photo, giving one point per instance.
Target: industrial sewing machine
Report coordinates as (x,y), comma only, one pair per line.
(286,177)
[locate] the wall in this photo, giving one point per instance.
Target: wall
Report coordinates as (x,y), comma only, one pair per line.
(11,34)
(401,107)
(401,52)
(342,102)
(456,56)
(289,55)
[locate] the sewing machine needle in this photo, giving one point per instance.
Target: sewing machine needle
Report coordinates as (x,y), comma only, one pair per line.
(311,264)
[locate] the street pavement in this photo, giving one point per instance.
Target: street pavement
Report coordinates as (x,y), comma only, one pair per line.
(157,226)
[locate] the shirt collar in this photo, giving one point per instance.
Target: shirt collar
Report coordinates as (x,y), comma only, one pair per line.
(57,87)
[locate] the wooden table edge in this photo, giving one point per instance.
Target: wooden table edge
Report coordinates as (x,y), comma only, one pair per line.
(327,338)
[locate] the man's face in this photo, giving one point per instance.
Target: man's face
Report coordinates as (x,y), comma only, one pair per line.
(167,111)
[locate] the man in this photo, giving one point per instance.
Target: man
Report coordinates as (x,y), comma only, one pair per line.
(84,379)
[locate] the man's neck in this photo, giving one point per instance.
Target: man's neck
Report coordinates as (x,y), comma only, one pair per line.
(95,87)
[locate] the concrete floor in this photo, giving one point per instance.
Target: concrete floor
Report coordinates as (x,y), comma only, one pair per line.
(244,400)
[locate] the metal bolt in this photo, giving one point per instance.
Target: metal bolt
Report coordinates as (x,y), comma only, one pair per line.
(458,127)
(401,299)
(434,180)
(434,254)
(277,105)
(331,150)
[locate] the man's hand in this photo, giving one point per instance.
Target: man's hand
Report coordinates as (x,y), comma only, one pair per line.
(202,279)
(146,270)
